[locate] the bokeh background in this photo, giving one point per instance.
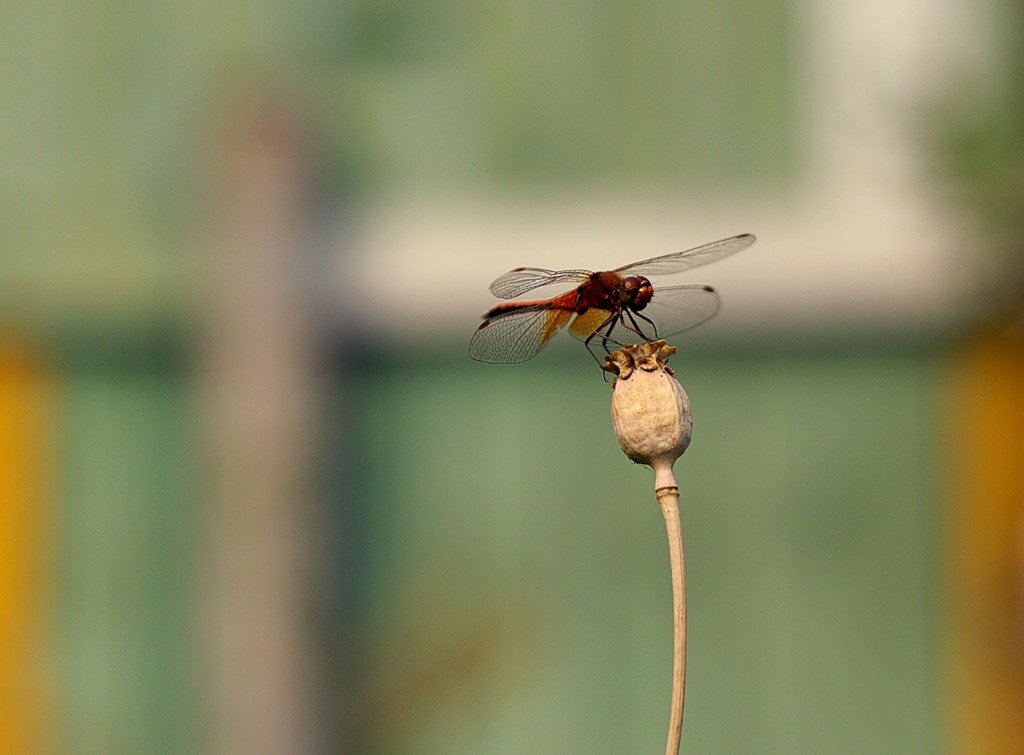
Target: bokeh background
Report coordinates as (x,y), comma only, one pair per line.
(255,497)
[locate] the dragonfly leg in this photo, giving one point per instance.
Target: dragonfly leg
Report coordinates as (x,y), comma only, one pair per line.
(636,327)
(650,322)
(609,323)
(607,336)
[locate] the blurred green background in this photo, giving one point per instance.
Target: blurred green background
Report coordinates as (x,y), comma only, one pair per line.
(255,496)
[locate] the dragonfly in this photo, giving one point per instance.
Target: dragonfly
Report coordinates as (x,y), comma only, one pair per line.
(603,306)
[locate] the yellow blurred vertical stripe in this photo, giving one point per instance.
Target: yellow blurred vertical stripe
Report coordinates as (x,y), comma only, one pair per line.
(986,569)
(26,589)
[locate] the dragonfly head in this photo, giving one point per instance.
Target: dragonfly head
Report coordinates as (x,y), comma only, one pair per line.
(636,291)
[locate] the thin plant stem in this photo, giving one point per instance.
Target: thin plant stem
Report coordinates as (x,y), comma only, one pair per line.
(668,499)
(651,417)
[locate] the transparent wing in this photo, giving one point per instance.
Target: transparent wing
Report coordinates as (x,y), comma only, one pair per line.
(516,336)
(680,261)
(677,308)
(517,282)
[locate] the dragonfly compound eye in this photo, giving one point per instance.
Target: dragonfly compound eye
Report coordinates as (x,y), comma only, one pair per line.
(644,292)
(630,286)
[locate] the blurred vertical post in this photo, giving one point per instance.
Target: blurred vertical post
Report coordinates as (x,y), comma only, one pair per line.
(986,593)
(26,579)
(258,370)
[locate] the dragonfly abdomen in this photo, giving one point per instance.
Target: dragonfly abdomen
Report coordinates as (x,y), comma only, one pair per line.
(565,301)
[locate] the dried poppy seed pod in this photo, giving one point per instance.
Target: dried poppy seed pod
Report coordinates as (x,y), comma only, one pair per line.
(651,416)
(650,409)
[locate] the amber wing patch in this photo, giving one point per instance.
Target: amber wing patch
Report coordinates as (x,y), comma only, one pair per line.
(588,321)
(557,318)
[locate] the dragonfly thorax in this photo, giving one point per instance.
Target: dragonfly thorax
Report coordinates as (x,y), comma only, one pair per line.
(635,292)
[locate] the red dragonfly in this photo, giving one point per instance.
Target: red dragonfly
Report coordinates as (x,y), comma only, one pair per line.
(622,299)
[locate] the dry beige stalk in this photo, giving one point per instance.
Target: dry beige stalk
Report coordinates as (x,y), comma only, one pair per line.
(651,416)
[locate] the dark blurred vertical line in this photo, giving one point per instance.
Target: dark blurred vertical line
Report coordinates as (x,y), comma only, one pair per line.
(342,542)
(259,395)
(341,535)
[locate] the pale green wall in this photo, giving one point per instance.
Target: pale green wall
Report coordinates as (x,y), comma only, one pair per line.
(128,664)
(517,589)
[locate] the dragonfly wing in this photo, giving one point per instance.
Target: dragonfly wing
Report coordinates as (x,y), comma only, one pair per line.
(680,261)
(517,282)
(516,336)
(677,308)
(588,321)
